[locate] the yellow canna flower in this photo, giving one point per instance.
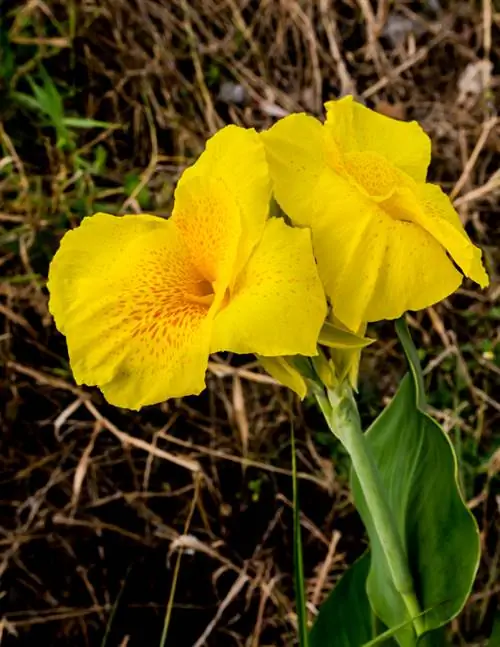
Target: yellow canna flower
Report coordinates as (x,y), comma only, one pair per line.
(143,300)
(385,240)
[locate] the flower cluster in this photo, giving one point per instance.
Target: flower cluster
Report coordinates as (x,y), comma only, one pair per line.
(144,300)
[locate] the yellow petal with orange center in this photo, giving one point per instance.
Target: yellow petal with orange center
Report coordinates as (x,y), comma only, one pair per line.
(209,219)
(371,174)
(127,296)
(236,157)
(357,128)
(277,305)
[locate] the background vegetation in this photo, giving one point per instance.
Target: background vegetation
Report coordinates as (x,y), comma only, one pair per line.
(102,105)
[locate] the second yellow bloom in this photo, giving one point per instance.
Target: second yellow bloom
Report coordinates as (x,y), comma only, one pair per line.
(385,240)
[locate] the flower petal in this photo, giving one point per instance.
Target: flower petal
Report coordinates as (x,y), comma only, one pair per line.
(236,156)
(209,219)
(375,267)
(302,181)
(278,305)
(357,128)
(349,244)
(130,302)
(415,273)
(437,216)
(285,373)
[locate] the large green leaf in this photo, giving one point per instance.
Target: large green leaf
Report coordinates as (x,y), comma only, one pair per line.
(345,619)
(494,640)
(418,468)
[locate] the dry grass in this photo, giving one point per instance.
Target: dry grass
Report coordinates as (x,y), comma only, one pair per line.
(97,503)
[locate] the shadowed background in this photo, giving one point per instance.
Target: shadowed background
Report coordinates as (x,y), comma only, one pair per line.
(102,105)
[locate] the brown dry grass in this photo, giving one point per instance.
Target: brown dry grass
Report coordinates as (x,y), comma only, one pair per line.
(97,503)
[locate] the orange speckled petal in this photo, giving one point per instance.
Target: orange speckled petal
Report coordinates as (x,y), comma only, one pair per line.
(278,305)
(236,157)
(209,219)
(136,313)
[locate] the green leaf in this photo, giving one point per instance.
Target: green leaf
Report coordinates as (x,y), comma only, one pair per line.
(494,640)
(82,122)
(432,639)
(413,361)
(7,58)
(26,100)
(345,619)
(132,181)
(435,638)
(48,98)
(285,373)
(298,564)
(53,96)
(336,337)
(418,468)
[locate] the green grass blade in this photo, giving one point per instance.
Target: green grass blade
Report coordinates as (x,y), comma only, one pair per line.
(26,101)
(298,564)
(79,122)
(109,624)
(170,603)
(40,98)
(48,99)
(55,105)
(383,638)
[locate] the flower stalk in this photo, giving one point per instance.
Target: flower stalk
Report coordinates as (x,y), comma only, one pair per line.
(341,414)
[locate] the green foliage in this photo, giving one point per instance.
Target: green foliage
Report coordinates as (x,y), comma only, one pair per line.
(336,337)
(7,59)
(419,472)
(494,640)
(346,619)
(132,181)
(298,565)
(46,99)
(255,487)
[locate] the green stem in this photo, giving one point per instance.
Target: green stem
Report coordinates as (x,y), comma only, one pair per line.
(298,563)
(341,413)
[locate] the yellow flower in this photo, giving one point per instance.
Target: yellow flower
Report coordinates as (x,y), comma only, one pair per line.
(385,240)
(143,300)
